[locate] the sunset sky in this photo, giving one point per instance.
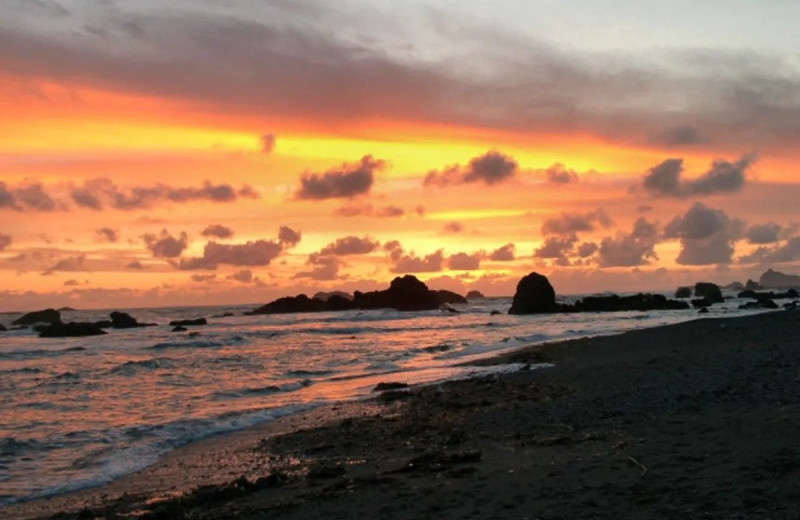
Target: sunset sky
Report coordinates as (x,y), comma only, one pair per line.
(233,152)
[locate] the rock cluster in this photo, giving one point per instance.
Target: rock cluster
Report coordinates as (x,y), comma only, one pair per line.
(535,295)
(405,293)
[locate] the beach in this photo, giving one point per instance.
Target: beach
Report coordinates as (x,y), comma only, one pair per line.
(693,420)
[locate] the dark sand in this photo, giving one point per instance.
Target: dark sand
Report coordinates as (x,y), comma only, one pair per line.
(697,420)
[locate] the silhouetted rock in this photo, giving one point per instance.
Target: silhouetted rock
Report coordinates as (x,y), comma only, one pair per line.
(63,309)
(179,328)
(734,286)
(324,296)
(761,303)
(709,291)
(534,295)
(121,320)
(103,324)
(449,297)
(791,293)
(337,302)
(791,305)
(3,328)
(188,323)
(393,385)
(703,310)
(290,304)
(636,302)
(405,293)
(777,280)
(72,329)
(683,292)
(700,303)
(45,316)
(495,313)
(475,295)
(224,315)
(752,286)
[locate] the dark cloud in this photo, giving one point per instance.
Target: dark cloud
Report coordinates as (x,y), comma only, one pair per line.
(71,263)
(569,223)
(288,237)
(28,196)
(107,234)
(248,192)
(5,241)
(707,235)
(560,174)
(680,136)
(664,180)
(788,252)
(465,262)
(490,168)
(626,249)
(390,211)
(218,231)
(395,250)
(253,253)
(165,245)
(453,227)
(72,283)
(350,245)
(33,196)
(244,276)
(7,199)
(203,277)
(346,181)
(215,193)
(768,233)
(102,192)
(135,264)
(587,249)
(558,246)
(268,142)
(325,267)
(644,209)
(413,264)
(368,210)
(503,254)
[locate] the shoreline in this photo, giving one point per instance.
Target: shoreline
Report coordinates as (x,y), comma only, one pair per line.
(554,413)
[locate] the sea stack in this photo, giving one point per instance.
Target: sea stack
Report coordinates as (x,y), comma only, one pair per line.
(534,295)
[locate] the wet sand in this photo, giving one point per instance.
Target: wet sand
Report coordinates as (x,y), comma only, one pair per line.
(696,420)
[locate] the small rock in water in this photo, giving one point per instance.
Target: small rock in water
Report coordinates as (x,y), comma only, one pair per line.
(179,328)
(185,323)
(393,385)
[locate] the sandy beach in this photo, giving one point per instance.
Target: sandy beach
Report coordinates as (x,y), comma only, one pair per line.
(695,420)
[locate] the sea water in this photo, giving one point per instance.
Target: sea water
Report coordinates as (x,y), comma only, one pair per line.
(78,412)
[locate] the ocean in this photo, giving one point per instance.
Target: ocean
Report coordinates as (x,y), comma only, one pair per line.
(78,412)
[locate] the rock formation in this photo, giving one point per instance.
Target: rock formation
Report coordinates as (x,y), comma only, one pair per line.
(534,295)
(72,329)
(44,316)
(777,280)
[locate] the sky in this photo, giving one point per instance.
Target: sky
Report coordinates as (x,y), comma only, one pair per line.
(221,152)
